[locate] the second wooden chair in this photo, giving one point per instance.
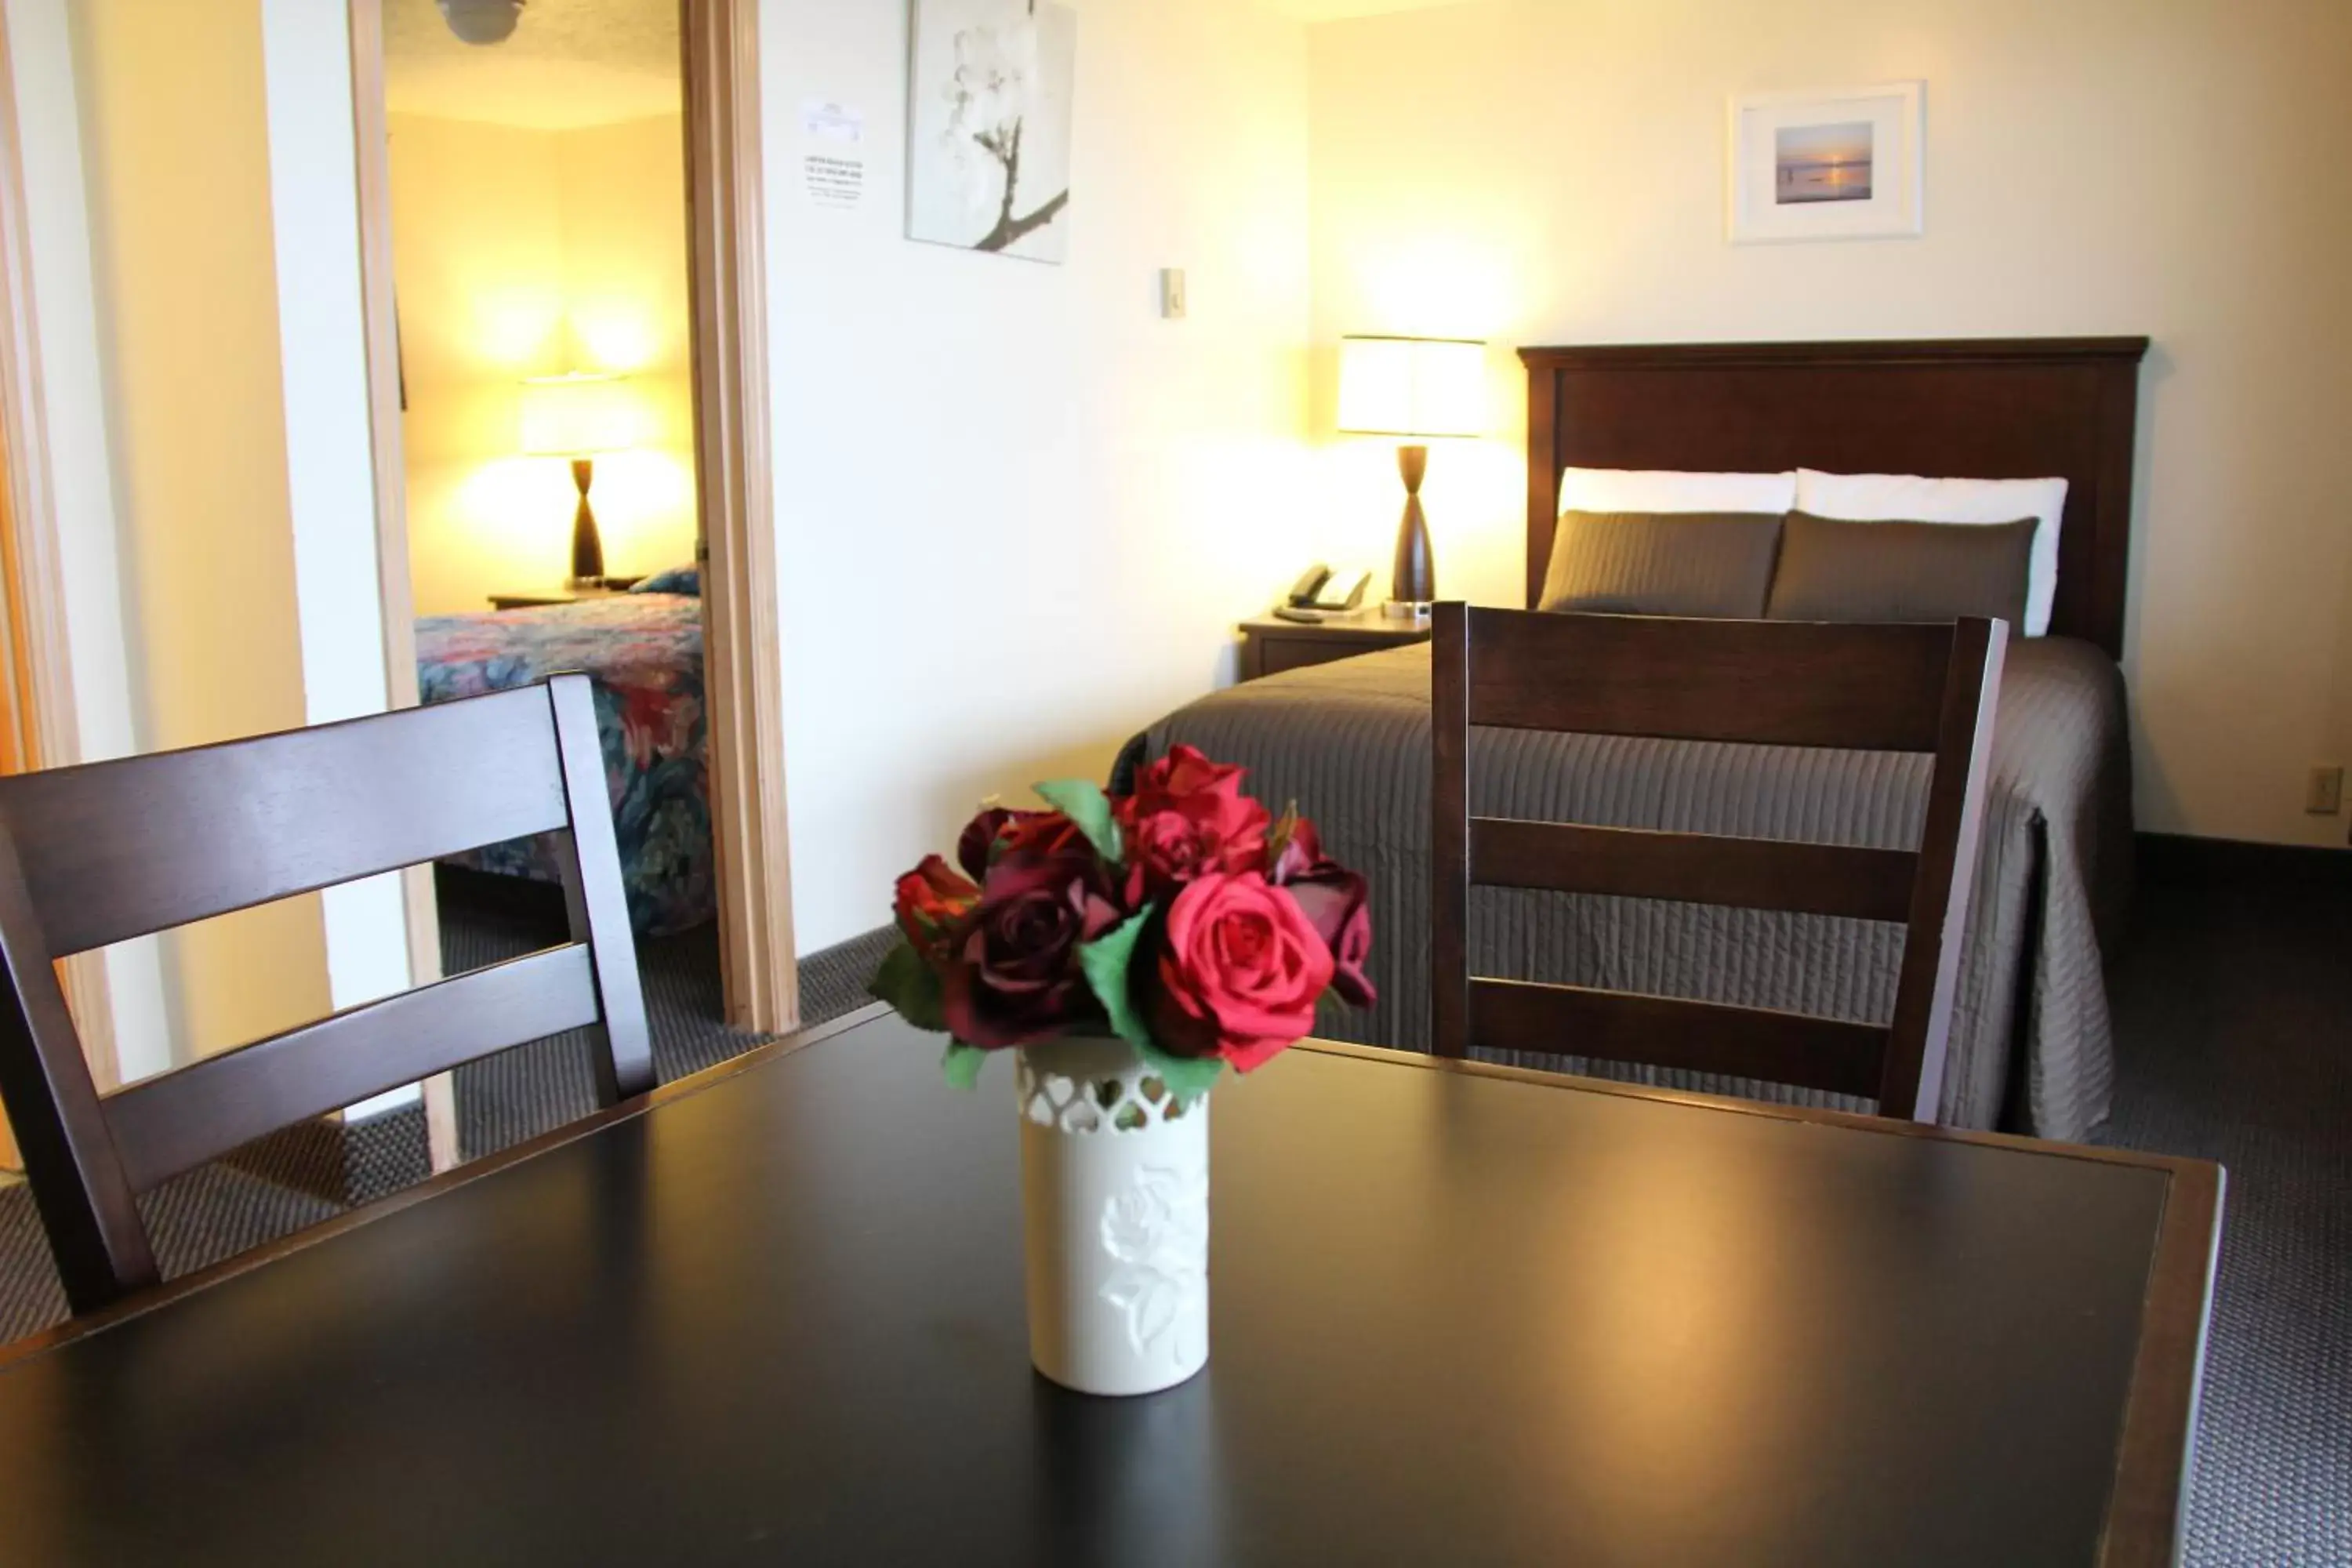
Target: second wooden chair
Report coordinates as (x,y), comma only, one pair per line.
(1922,689)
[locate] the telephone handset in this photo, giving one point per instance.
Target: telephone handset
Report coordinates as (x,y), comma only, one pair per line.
(1312,597)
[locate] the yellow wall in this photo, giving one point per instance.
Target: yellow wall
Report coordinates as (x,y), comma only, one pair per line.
(177,162)
(1553,172)
(519,253)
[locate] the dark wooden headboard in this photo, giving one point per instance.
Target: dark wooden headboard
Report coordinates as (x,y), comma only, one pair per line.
(1986,409)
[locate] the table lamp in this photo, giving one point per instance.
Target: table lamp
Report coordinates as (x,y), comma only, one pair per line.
(1420,389)
(577,416)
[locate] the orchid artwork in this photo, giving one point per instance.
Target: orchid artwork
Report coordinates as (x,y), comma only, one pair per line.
(988,163)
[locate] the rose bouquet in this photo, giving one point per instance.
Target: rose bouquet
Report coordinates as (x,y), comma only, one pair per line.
(1183,917)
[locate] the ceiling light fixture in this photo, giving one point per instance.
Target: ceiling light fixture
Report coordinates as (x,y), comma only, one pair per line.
(482,21)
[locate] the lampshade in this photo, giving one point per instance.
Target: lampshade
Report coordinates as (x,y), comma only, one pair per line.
(1412,386)
(577,415)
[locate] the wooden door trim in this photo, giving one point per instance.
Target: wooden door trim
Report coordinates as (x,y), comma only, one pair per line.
(371,141)
(38,661)
(743,664)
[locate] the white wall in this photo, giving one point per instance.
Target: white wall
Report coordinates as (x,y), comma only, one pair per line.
(1552,171)
(1018,513)
(329,451)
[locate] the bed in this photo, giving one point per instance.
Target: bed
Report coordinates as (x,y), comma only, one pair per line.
(644,651)
(2031,1049)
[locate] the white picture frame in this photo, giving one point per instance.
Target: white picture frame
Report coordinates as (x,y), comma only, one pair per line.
(989,90)
(1841,164)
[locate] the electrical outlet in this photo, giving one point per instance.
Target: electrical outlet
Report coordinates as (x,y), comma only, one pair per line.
(2324,795)
(1171,294)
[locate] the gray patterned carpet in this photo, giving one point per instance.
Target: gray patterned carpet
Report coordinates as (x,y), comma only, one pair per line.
(2234,1011)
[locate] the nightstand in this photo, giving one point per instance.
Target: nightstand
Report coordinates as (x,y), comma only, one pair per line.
(560,595)
(1271,645)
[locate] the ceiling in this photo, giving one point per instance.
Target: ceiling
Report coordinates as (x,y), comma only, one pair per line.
(569,63)
(590,63)
(1338,10)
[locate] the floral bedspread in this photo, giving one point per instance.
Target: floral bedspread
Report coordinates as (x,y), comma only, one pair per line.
(643,652)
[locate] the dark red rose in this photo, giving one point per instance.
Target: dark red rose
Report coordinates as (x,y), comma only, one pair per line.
(1237,973)
(931,905)
(991,831)
(1334,901)
(1015,976)
(1291,848)
(1187,817)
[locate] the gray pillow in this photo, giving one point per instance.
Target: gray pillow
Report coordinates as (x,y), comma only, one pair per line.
(1833,570)
(1715,565)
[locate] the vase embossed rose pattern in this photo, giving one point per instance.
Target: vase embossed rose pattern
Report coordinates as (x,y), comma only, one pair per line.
(1127,948)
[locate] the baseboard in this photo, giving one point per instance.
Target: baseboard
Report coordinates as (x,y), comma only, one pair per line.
(2175,857)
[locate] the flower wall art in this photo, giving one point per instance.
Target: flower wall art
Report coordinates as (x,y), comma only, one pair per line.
(987,158)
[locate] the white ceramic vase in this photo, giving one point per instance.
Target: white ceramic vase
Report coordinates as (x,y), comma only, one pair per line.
(1115,1202)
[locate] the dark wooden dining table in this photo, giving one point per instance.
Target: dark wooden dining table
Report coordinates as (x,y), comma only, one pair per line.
(1459,1315)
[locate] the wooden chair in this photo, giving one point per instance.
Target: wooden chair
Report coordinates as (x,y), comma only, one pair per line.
(1865,688)
(91,856)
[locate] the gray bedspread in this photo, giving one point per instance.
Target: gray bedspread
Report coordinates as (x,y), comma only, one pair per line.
(2030,1048)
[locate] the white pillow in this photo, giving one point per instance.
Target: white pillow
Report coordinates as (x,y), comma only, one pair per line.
(1907,497)
(1666,489)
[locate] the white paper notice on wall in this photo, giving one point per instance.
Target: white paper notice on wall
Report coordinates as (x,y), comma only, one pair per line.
(822,119)
(835,181)
(832,163)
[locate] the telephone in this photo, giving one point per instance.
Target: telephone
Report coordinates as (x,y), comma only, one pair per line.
(1311,599)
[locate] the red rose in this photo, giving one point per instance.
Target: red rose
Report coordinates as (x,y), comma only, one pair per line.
(931,904)
(1013,975)
(1335,902)
(1238,972)
(1186,818)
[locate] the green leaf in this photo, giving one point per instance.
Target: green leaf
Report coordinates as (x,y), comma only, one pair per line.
(1108,960)
(910,985)
(961,1067)
(1189,1077)
(1105,961)
(1084,803)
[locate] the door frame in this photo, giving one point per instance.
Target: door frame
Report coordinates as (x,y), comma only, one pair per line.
(743,670)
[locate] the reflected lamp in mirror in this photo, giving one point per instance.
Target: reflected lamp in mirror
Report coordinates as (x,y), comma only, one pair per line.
(1421,390)
(578,416)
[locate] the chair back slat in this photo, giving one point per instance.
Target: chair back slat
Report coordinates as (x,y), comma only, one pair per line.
(121,848)
(1693,867)
(1671,1032)
(1764,683)
(1939,899)
(597,904)
(177,1121)
(1929,687)
(92,855)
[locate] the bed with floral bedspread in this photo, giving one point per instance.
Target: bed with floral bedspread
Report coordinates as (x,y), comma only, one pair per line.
(643,652)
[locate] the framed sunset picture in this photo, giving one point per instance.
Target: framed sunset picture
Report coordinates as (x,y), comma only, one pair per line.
(1827,165)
